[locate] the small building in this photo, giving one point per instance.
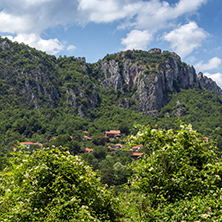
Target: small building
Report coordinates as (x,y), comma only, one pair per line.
(113,134)
(118,146)
(27,144)
(86,137)
(137,147)
(88,150)
(135,156)
(205,139)
(112,149)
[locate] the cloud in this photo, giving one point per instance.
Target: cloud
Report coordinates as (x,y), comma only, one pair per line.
(12,23)
(186,38)
(105,11)
(51,46)
(211,64)
(155,15)
(144,19)
(137,14)
(137,39)
(23,17)
(217,77)
(71,48)
(37,15)
(28,16)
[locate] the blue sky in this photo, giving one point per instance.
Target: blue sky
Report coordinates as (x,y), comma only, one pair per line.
(93,28)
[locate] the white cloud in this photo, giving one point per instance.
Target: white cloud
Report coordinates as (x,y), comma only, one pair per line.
(150,15)
(186,38)
(71,48)
(146,16)
(217,77)
(211,64)
(36,16)
(12,23)
(28,16)
(51,46)
(104,11)
(137,39)
(184,6)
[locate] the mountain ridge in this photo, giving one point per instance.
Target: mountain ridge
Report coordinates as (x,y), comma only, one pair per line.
(143,80)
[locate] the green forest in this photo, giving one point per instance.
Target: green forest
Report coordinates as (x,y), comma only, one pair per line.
(60,104)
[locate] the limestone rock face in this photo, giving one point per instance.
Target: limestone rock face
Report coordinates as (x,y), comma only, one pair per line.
(153,85)
(131,72)
(209,84)
(111,71)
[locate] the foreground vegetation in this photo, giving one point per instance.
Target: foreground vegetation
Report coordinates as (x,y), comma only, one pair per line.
(177,179)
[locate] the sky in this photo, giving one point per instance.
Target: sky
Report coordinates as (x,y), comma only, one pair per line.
(95,28)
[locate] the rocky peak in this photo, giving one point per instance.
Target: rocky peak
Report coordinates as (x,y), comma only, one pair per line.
(154,50)
(209,84)
(155,74)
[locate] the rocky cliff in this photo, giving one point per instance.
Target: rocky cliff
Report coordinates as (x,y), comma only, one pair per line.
(155,74)
(209,84)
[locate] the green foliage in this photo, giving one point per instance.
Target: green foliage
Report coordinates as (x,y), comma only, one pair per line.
(52,185)
(180,169)
(99,139)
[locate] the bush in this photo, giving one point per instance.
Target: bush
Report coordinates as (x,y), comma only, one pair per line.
(179,168)
(52,185)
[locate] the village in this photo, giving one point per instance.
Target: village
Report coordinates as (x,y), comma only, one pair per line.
(110,135)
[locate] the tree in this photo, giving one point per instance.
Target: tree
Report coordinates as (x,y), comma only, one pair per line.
(179,171)
(99,139)
(52,185)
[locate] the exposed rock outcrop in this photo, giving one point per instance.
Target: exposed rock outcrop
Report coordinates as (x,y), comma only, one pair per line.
(209,84)
(168,75)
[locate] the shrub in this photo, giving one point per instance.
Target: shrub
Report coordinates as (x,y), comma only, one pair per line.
(52,185)
(179,168)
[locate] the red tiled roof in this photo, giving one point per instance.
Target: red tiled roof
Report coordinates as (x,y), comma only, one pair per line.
(30,143)
(137,146)
(113,132)
(53,138)
(137,154)
(113,148)
(87,137)
(88,150)
(206,138)
(118,144)
(85,131)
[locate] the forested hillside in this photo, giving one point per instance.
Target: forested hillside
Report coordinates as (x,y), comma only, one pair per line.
(43,96)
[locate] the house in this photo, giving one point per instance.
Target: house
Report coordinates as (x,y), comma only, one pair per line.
(27,144)
(88,150)
(113,134)
(118,146)
(205,139)
(135,156)
(86,137)
(112,149)
(137,147)
(53,138)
